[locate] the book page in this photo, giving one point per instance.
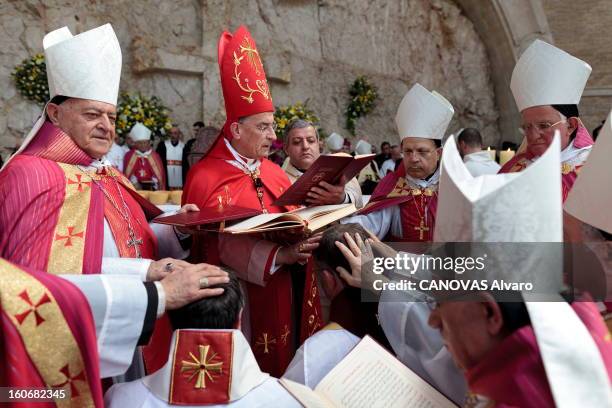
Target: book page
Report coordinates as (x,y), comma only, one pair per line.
(370,377)
(321,220)
(309,212)
(305,395)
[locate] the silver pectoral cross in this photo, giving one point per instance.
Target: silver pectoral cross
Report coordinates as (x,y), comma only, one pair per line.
(133,241)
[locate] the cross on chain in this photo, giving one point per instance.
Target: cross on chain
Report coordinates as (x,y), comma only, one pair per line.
(421,228)
(135,242)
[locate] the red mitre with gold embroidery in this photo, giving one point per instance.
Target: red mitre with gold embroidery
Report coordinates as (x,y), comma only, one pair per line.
(201,367)
(243,79)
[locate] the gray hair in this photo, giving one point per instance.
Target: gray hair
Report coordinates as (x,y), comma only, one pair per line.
(299,124)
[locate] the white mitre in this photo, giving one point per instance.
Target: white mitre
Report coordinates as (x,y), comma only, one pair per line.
(334,141)
(423,114)
(590,199)
(547,75)
(485,209)
(85,66)
(363,147)
(140,132)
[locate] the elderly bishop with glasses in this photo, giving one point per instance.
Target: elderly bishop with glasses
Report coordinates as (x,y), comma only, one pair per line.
(236,171)
(547,84)
(403,206)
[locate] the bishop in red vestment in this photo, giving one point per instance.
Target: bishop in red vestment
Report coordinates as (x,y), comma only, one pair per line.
(547,108)
(63,207)
(143,166)
(236,172)
(403,205)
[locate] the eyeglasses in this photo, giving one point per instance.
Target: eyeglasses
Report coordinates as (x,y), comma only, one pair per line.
(418,153)
(263,127)
(540,128)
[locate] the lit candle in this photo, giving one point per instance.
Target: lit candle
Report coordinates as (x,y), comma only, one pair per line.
(491,153)
(505,156)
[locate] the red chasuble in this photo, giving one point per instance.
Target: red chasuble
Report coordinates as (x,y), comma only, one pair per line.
(512,374)
(48,337)
(417,205)
(569,169)
(144,169)
(52,212)
(212,181)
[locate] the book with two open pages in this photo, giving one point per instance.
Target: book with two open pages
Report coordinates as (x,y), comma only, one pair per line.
(369,376)
(309,219)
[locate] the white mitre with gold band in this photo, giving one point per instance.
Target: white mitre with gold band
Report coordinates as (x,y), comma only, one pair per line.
(85,66)
(423,114)
(591,196)
(140,132)
(547,75)
(485,209)
(206,367)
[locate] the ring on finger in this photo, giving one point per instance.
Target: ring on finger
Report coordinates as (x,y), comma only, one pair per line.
(168,267)
(204,283)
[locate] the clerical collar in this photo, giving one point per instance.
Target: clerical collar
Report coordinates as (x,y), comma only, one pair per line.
(241,161)
(206,367)
(424,183)
(145,154)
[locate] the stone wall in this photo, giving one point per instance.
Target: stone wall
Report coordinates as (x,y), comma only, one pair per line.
(581,28)
(312,51)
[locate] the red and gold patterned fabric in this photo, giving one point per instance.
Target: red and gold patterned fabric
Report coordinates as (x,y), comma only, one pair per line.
(47,337)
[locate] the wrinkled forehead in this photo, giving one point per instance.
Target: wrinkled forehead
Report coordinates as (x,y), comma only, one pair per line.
(88,104)
(259,118)
(301,133)
(544,113)
(415,143)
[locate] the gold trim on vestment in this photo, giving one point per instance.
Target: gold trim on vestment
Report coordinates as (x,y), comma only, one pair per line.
(45,333)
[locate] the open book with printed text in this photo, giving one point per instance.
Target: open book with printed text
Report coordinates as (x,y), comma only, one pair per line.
(309,218)
(368,377)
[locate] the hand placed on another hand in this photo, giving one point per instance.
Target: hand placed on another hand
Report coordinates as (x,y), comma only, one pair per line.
(159,269)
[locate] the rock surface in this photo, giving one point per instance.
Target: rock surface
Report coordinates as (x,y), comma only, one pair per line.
(312,52)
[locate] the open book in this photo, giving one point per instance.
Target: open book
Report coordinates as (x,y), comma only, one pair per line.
(329,168)
(368,377)
(208,219)
(309,218)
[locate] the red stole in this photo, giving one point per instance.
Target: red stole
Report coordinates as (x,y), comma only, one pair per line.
(417,206)
(47,336)
(144,169)
(569,172)
(513,374)
(214,181)
(52,213)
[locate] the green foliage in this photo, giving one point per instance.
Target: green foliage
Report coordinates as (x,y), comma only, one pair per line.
(31,79)
(285,114)
(148,111)
(363,95)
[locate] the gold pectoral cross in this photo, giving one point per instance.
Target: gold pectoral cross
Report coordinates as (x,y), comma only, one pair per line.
(421,228)
(202,367)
